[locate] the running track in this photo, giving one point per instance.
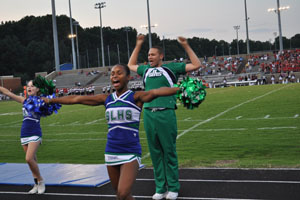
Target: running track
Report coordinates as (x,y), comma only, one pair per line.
(196,184)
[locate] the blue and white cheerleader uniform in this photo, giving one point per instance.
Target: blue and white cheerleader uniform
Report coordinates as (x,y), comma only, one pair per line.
(123,118)
(31,129)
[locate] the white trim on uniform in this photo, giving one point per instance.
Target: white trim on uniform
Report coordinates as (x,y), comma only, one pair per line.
(119,159)
(26,140)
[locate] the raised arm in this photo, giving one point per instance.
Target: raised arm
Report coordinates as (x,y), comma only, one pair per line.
(6,92)
(196,64)
(76,99)
(132,63)
(147,96)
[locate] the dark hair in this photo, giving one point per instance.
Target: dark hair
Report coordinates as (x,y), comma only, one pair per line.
(160,50)
(125,67)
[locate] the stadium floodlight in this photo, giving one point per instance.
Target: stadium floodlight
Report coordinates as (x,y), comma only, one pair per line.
(100,6)
(237,38)
(72,38)
(149,29)
(277,11)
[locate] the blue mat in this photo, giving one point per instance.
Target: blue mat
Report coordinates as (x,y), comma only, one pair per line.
(55,174)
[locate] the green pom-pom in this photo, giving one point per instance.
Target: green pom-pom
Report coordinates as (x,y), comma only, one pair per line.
(192,92)
(46,87)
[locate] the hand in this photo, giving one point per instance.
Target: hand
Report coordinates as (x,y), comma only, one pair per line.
(46,100)
(182,40)
(140,39)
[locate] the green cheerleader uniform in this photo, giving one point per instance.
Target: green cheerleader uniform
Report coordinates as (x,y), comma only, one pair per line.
(160,124)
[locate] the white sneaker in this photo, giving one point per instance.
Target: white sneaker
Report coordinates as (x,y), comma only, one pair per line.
(172,195)
(41,187)
(34,190)
(158,196)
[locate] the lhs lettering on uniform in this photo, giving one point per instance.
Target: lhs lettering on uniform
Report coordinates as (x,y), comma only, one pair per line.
(155,73)
(113,115)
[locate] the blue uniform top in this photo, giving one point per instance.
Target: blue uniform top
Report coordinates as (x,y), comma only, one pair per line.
(123,118)
(31,123)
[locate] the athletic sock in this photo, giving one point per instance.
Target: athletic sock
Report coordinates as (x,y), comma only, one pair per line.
(35,181)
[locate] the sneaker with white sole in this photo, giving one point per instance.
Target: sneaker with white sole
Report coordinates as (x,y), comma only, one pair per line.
(158,196)
(172,195)
(41,187)
(34,190)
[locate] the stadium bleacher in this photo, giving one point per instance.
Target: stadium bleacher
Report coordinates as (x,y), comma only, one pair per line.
(246,69)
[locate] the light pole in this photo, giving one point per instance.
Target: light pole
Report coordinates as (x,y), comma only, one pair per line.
(99,6)
(98,57)
(149,25)
(237,38)
(164,48)
(108,53)
(119,61)
(247,33)
(277,11)
(76,23)
(55,40)
(216,50)
(223,49)
(72,38)
(275,34)
(127,29)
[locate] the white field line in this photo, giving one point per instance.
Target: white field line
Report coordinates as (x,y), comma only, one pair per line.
(275,128)
(187,119)
(258,118)
(229,109)
(238,117)
(95,121)
(220,114)
(56,124)
(11,113)
(227,181)
(195,130)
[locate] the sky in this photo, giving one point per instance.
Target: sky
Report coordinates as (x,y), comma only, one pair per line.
(211,19)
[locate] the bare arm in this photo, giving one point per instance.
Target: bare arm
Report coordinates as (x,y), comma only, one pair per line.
(75,99)
(196,64)
(132,63)
(147,96)
(6,92)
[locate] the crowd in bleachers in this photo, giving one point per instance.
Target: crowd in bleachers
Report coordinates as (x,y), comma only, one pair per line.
(219,66)
(90,90)
(288,61)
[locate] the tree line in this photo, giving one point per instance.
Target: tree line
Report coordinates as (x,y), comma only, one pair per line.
(26,46)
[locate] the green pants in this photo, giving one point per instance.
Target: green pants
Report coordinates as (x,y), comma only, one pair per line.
(161,130)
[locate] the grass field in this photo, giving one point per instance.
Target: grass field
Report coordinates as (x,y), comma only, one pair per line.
(251,126)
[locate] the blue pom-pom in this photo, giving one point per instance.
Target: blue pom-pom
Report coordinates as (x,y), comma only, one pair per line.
(37,105)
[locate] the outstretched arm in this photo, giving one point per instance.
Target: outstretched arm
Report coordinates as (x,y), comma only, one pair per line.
(147,96)
(132,63)
(6,92)
(75,99)
(196,64)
